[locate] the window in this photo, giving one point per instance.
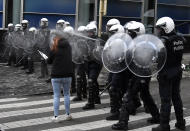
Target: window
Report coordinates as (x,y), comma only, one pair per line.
(87,10)
(12,11)
(148,15)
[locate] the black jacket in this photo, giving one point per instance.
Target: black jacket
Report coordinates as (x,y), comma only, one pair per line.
(61,60)
(174,45)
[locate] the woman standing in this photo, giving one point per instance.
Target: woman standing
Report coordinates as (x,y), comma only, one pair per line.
(61,74)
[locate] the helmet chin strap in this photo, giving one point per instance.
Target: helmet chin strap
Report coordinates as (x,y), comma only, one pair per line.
(132,34)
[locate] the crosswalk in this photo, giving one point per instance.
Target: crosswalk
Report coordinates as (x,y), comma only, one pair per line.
(34,114)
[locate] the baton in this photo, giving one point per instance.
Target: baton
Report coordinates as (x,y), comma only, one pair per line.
(5,52)
(20,60)
(107,87)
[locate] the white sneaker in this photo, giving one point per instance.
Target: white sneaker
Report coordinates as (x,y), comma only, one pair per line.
(55,119)
(68,117)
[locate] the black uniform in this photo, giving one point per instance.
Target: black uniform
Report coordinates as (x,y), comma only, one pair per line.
(81,81)
(94,69)
(169,83)
(25,34)
(130,100)
(18,45)
(138,84)
(12,53)
(119,84)
(30,60)
(43,43)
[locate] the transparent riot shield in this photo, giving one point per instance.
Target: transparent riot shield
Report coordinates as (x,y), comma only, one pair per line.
(113,55)
(146,55)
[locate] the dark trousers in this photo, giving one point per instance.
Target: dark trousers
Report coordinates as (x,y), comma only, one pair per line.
(30,64)
(12,58)
(93,73)
(138,85)
(73,83)
(169,89)
(25,61)
(44,69)
(119,84)
(81,80)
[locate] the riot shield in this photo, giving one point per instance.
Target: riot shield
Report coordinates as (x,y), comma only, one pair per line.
(113,55)
(146,55)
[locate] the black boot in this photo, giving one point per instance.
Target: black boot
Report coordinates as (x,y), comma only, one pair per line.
(120,126)
(123,119)
(113,116)
(153,120)
(97,100)
(133,112)
(146,109)
(30,66)
(84,91)
(180,125)
(97,97)
(85,95)
(84,87)
(77,98)
(79,89)
(90,104)
(137,101)
(24,68)
(161,128)
(29,72)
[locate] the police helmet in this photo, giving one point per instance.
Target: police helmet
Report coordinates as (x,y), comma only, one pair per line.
(10,27)
(81,29)
(60,24)
(166,23)
(33,30)
(44,23)
(135,29)
(127,25)
(18,27)
(116,29)
(69,29)
(111,22)
(91,29)
(67,23)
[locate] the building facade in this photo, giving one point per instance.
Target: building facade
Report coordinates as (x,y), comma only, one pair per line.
(80,12)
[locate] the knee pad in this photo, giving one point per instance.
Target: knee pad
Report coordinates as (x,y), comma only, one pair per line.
(142,81)
(115,93)
(78,78)
(90,82)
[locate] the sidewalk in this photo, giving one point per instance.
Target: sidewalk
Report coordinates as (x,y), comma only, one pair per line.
(15,82)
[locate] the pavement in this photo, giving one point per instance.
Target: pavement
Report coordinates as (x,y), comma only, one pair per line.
(33,113)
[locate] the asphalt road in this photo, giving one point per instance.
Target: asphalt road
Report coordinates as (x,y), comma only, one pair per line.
(33,113)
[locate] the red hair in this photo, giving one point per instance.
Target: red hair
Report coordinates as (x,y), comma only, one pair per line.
(55,43)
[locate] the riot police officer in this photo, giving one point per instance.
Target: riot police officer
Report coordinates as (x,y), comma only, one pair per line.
(170,76)
(67,23)
(25,25)
(60,25)
(106,35)
(119,82)
(18,45)
(32,38)
(138,84)
(9,40)
(81,73)
(94,69)
(43,43)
